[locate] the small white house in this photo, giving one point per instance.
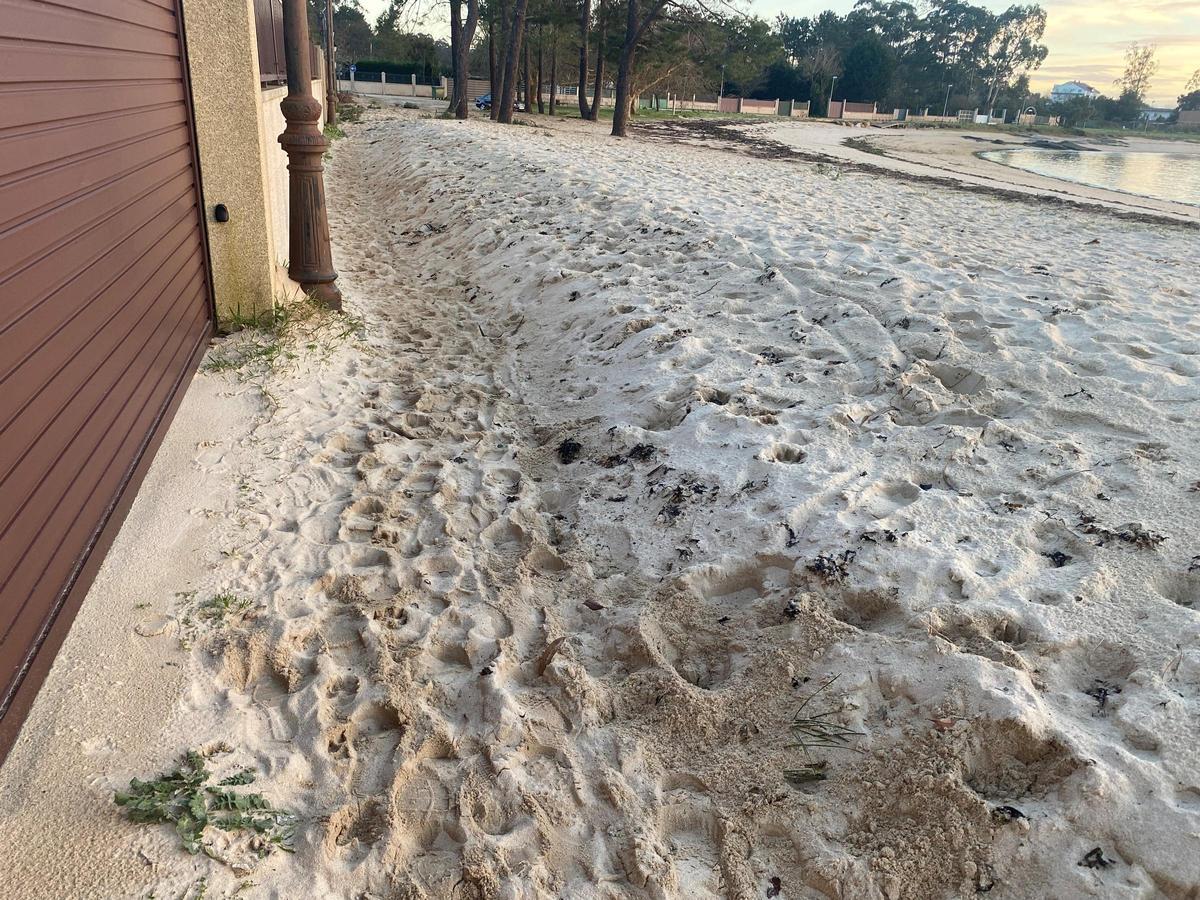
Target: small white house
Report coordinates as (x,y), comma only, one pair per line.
(1157,113)
(1061,93)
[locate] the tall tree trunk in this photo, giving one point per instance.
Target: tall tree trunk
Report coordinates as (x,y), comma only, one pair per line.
(634,29)
(521,99)
(585,17)
(554,73)
(461,48)
(519,88)
(528,70)
(624,71)
(503,77)
(541,43)
(492,85)
(597,95)
(512,59)
(456,27)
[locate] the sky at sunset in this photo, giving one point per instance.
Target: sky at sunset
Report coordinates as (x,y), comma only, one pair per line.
(1087,38)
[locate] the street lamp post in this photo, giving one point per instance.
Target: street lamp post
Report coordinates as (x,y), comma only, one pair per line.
(330,67)
(946,105)
(310,261)
(830,103)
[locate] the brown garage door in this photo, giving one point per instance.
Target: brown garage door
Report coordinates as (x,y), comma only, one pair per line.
(104,297)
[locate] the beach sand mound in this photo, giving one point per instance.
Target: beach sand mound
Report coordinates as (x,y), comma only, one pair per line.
(694,525)
(654,443)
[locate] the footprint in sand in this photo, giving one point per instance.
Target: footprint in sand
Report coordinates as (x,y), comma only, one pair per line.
(882,500)
(689,826)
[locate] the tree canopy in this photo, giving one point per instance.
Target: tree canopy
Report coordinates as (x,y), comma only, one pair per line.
(1140,68)
(1190,99)
(891,52)
(896,53)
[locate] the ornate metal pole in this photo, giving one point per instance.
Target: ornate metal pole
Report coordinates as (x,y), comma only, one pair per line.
(311,262)
(330,67)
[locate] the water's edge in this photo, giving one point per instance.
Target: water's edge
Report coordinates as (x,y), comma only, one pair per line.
(1174,177)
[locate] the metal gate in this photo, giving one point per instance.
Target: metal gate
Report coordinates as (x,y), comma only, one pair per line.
(105,299)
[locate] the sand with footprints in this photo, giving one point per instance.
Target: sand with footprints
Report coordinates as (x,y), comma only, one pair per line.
(641,445)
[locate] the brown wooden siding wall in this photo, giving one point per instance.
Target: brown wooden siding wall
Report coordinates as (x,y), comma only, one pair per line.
(104,295)
(268,34)
(268,29)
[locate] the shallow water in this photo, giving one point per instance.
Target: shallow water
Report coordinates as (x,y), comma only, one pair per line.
(1165,176)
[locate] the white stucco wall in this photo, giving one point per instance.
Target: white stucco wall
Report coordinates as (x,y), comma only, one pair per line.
(275,179)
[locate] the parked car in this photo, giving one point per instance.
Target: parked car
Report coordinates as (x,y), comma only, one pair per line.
(485,102)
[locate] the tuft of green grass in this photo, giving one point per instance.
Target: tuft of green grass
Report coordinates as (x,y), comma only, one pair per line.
(217,609)
(334,132)
(806,772)
(185,799)
(815,731)
(277,341)
(349,113)
(198,618)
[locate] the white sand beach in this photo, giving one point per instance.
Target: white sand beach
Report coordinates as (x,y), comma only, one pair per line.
(643,444)
(952,156)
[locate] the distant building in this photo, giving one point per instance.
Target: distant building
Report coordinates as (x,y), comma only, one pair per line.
(1157,113)
(1189,117)
(1061,93)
